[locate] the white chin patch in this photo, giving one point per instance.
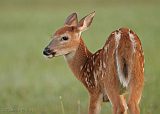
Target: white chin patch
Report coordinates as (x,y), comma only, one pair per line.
(49,56)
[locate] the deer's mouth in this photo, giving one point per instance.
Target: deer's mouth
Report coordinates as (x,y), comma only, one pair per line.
(49,53)
(50,56)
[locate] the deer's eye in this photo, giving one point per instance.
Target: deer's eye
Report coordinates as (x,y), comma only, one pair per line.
(65,38)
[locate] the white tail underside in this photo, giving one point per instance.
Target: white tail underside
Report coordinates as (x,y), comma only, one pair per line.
(121,76)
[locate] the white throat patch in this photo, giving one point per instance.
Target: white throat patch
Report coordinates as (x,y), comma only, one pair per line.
(69,56)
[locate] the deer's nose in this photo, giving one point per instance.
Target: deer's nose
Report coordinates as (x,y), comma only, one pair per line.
(47,51)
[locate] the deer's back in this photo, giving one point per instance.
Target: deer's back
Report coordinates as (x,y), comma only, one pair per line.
(122,43)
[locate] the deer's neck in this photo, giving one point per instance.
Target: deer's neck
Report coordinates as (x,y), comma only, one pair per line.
(77,59)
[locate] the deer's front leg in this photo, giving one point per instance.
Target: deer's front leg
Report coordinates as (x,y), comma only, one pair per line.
(95,103)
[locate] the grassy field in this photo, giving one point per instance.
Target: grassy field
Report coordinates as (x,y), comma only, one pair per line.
(31,84)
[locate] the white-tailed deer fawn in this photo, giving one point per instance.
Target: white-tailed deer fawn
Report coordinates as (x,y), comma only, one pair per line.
(107,74)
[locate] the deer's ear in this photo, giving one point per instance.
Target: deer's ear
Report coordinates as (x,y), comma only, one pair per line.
(71,20)
(85,22)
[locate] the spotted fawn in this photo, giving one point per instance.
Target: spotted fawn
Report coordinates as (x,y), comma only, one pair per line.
(108,74)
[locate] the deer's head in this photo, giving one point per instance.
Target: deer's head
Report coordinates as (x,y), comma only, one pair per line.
(66,39)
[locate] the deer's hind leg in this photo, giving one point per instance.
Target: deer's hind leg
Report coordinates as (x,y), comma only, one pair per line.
(135,93)
(136,86)
(117,101)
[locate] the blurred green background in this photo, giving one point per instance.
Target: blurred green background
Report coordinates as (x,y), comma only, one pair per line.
(31,84)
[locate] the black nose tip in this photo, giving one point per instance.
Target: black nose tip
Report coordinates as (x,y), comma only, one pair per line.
(47,51)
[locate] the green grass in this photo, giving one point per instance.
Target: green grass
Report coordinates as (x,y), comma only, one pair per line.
(31,84)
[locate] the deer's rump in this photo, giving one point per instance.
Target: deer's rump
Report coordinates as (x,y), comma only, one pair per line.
(124,52)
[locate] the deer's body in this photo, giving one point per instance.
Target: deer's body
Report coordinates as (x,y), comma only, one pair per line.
(111,71)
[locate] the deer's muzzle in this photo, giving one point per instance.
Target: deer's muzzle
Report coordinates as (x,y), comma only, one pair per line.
(48,52)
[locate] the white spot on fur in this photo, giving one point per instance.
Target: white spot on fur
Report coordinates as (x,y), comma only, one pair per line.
(97,53)
(100,62)
(85,50)
(81,67)
(142,64)
(117,38)
(95,77)
(85,74)
(104,65)
(87,82)
(106,47)
(122,79)
(93,62)
(143,69)
(88,70)
(102,75)
(100,65)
